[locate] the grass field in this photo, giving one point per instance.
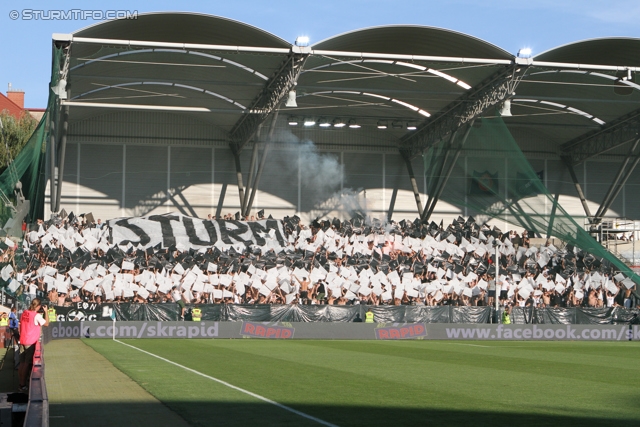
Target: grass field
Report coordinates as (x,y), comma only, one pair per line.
(370,383)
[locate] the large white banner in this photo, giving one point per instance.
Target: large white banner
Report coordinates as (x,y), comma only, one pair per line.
(188,232)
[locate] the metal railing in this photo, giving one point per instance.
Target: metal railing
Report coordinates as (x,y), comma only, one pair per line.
(619,236)
(38,407)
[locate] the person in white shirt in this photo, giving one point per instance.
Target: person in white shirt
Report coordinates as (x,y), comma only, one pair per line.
(177,297)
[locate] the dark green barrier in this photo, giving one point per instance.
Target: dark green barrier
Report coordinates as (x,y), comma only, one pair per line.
(345,313)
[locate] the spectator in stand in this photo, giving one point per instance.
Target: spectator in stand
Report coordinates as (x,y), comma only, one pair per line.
(433,265)
(177,298)
(627,296)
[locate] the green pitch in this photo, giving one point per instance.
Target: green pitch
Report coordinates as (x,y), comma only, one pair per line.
(401,383)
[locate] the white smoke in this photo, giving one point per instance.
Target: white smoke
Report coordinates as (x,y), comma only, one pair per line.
(321,178)
(321,173)
(344,204)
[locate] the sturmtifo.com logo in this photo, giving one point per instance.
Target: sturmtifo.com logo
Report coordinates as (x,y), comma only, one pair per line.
(71,15)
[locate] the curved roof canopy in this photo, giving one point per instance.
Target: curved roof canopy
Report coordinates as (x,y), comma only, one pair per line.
(609,51)
(412,40)
(183,27)
(233,76)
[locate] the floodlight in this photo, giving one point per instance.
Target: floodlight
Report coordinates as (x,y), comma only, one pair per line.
(309,121)
(324,123)
(505,111)
(382,124)
(293,121)
(353,124)
(291,101)
(302,41)
(412,126)
(338,123)
(525,52)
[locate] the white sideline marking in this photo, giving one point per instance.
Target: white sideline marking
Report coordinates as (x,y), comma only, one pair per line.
(257,396)
(471,345)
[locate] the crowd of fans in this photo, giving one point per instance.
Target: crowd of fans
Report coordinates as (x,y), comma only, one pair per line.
(327,262)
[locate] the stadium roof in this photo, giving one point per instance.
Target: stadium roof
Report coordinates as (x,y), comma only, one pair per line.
(418,83)
(234,76)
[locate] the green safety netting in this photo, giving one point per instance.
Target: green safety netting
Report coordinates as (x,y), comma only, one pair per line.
(25,168)
(494,179)
(29,165)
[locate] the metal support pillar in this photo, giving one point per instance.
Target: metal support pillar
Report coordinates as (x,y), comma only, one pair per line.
(392,203)
(236,156)
(263,160)
(223,193)
(443,182)
(61,156)
(498,288)
(614,189)
(258,176)
(52,163)
(435,184)
(252,165)
(604,208)
(414,184)
(574,178)
(553,214)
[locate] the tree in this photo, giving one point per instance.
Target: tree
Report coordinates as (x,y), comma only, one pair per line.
(15,133)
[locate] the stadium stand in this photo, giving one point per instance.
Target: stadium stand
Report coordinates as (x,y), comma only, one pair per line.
(360,261)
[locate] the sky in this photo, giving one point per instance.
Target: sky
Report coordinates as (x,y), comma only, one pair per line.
(510,24)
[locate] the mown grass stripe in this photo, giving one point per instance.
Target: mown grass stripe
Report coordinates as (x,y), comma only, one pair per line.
(257,396)
(362,383)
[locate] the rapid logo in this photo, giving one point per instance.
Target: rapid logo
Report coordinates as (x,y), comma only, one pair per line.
(404,332)
(259,330)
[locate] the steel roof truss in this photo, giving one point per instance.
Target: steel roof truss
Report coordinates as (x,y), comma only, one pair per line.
(491,92)
(608,137)
(275,89)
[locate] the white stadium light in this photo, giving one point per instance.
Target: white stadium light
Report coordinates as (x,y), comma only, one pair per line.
(505,111)
(291,101)
(302,41)
(353,124)
(525,52)
(293,121)
(324,123)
